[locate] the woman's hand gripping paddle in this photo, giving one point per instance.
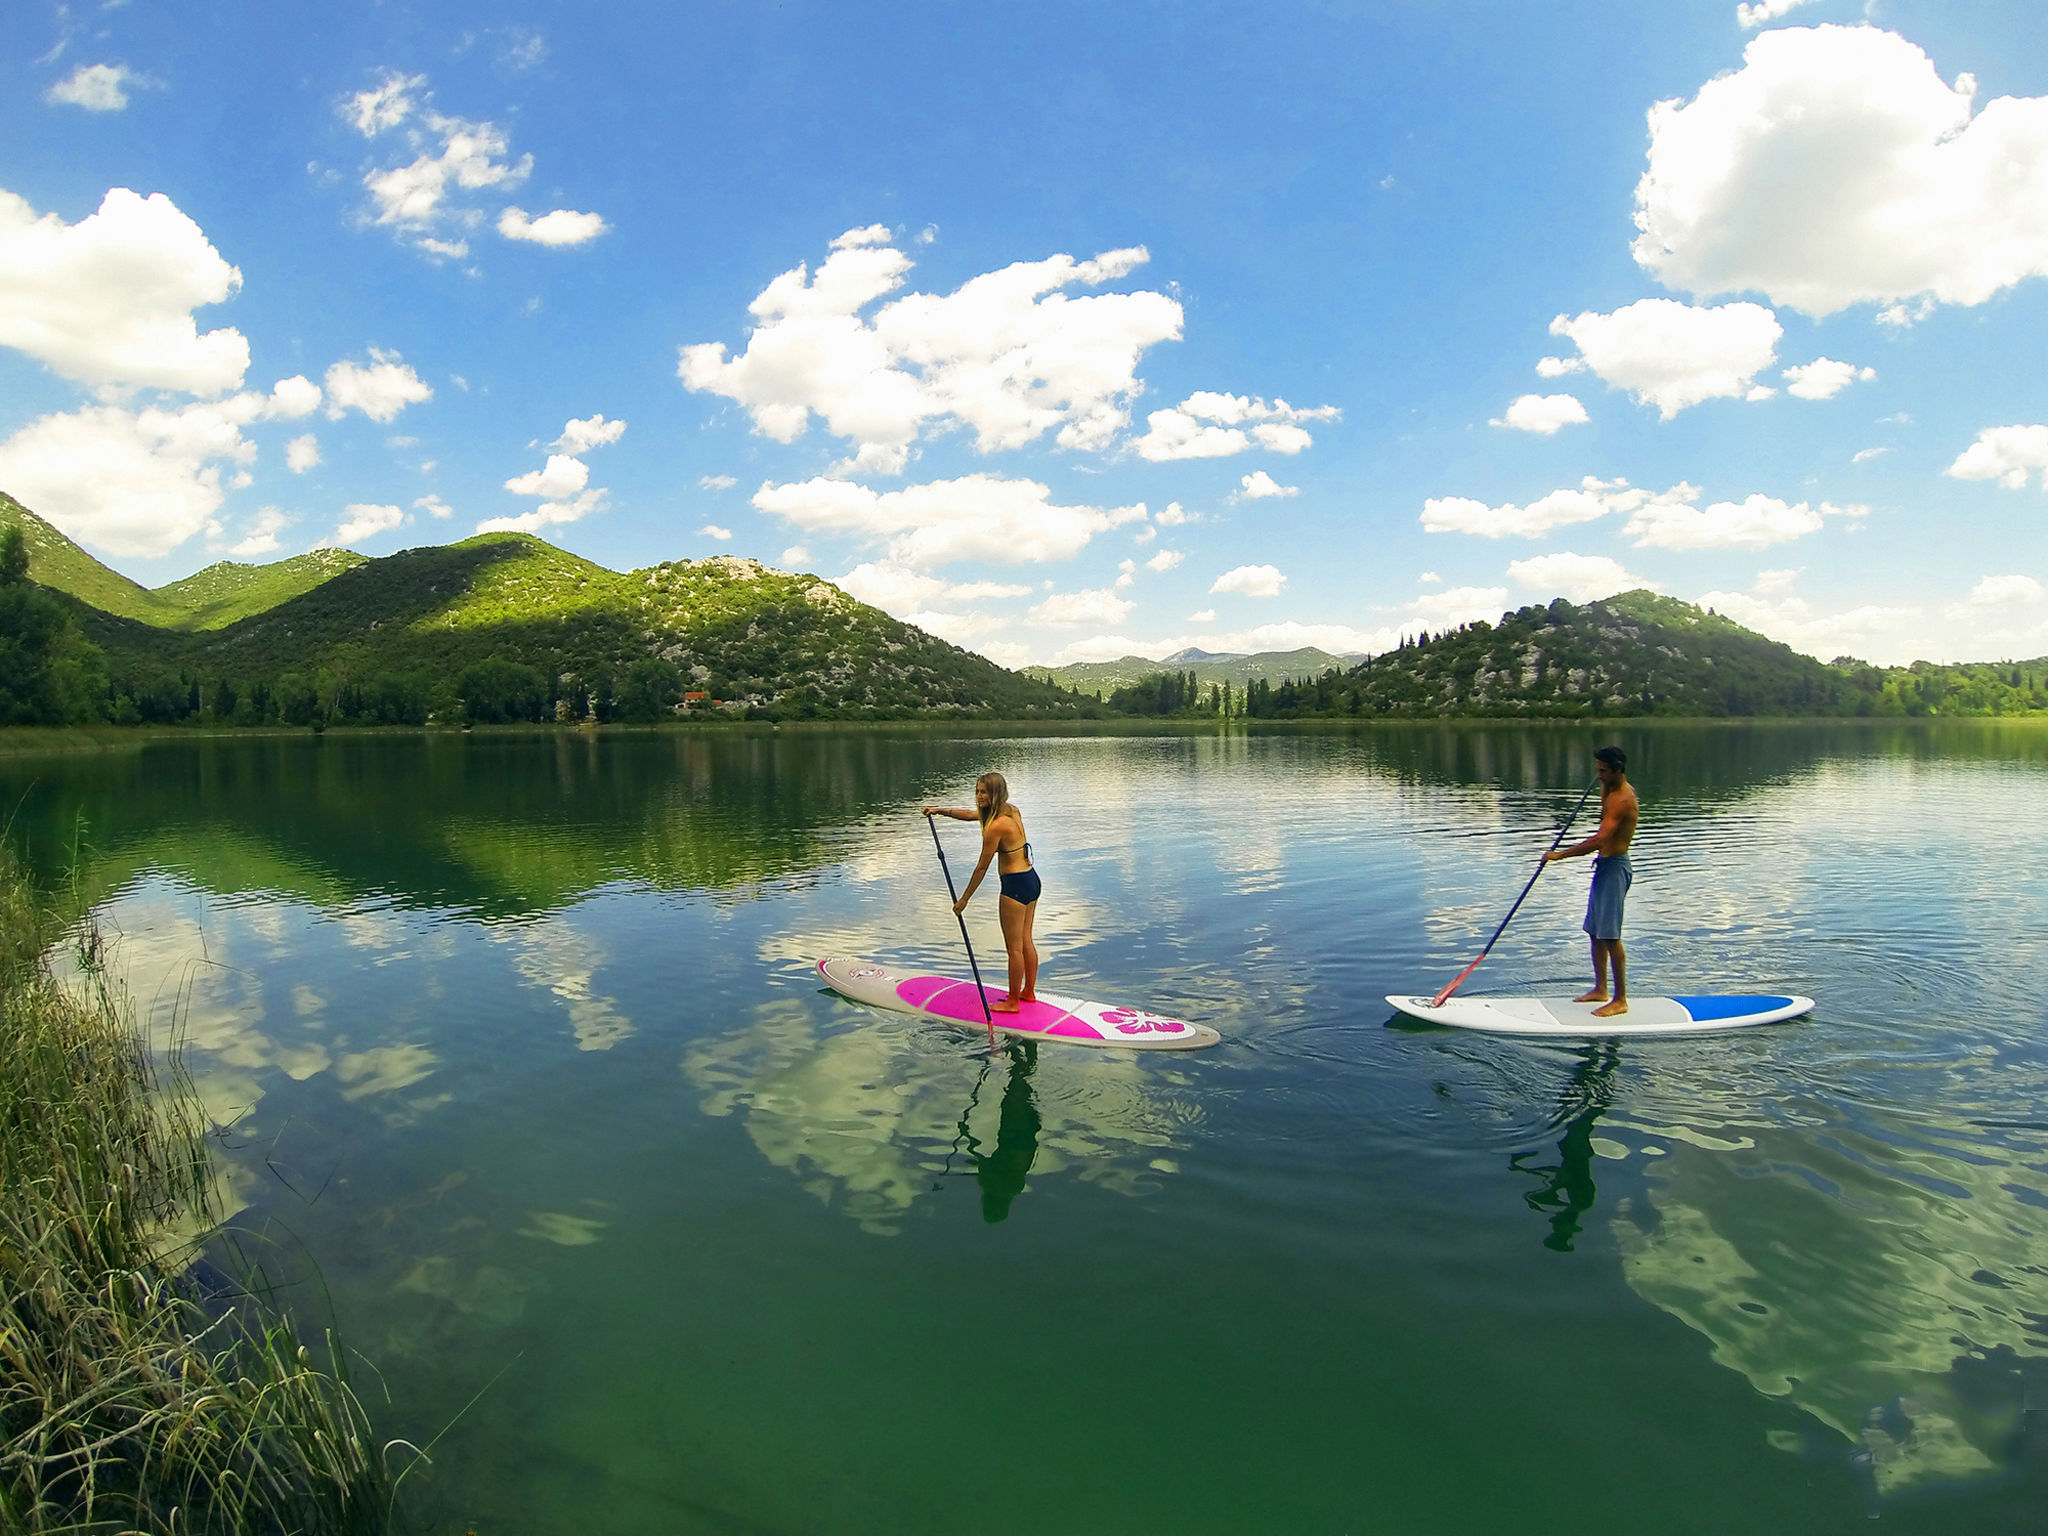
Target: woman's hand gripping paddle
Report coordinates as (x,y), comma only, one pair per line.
(1459,980)
(962,920)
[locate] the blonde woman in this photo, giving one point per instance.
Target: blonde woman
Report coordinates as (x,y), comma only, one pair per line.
(1003,840)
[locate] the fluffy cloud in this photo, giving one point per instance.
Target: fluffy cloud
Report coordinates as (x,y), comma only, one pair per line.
(434,506)
(1251,580)
(1581,578)
(1542,413)
(260,537)
(562,227)
(1208,425)
(380,391)
(1560,509)
(294,398)
(897,589)
(977,517)
(1260,486)
(560,476)
(2005,454)
(1997,591)
(108,301)
(548,514)
(1749,15)
(449,155)
(1455,606)
(360,521)
(1888,635)
(98,87)
(1100,606)
(1007,354)
(1824,378)
(132,482)
(1756,522)
(1836,167)
(1673,355)
(716,482)
(713,531)
(1165,560)
(591,432)
(302,453)
(796,555)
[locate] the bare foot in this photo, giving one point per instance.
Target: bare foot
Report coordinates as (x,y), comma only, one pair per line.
(1028,997)
(1004,1007)
(1619,1005)
(1597,995)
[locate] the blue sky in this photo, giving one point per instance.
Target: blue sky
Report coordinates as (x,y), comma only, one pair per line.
(1061,330)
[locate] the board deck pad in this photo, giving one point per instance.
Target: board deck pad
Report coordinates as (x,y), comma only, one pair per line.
(1069,1020)
(1645,1016)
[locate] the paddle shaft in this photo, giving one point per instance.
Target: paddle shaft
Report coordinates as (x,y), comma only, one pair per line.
(1566,826)
(961,918)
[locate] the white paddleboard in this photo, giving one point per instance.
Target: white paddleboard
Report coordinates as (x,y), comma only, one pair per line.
(1067,1020)
(1645,1016)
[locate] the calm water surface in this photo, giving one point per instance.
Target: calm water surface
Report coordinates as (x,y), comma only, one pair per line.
(520,1053)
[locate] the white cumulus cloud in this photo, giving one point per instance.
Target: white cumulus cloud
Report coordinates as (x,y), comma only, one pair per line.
(419,199)
(1996,591)
(976,517)
(562,227)
(1591,498)
(1260,486)
(108,301)
(1009,354)
(591,432)
(1674,355)
(1837,167)
(260,536)
(1251,581)
(380,391)
(713,531)
(98,87)
(561,476)
(1824,378)
(361,520)
(1748,14)
(1580,578)
(302,453)
(1542,414)
(1210,425)
(1755,522)
(1165,560)
(1099,606)
(2005,454)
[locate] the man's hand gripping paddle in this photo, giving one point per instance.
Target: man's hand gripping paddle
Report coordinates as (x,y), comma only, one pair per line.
(931,821)
(1459,980)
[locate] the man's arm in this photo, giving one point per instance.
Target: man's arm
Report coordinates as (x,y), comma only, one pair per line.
(1609,833)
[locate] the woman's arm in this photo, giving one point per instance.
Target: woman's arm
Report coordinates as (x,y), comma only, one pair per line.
(991,836)
(940,810)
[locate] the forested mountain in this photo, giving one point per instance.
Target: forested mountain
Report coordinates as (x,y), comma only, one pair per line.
(1632,654)
(505,626)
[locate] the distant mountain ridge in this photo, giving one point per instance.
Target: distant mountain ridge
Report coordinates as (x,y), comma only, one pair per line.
(1235,668)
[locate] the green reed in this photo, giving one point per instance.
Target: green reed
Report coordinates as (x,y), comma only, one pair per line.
(129,1399)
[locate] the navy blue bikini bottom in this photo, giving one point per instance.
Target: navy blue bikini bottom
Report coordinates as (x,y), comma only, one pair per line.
(1022,887)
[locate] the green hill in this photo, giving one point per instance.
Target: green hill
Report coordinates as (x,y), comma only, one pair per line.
(506,626)
(1639,654)
(1106,677)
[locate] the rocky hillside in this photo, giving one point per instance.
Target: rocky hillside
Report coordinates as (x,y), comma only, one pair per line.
(1105,677)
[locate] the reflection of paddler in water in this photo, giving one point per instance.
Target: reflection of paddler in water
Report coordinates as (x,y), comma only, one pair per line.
(1568,1188)
(1002,1172)
(1002,840)
(1611,878)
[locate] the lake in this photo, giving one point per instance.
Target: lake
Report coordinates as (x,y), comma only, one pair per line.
(525,1073)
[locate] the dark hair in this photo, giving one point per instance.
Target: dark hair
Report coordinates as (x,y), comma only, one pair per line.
(1613,757)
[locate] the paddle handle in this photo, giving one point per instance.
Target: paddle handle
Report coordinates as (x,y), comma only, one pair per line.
(960,918)
(1563,827)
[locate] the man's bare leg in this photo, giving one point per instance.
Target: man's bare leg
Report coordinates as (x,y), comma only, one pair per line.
(1620,958)
(1599,992)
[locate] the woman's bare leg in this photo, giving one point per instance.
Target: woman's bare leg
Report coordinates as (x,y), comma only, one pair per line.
(1030,993)
(1016,921)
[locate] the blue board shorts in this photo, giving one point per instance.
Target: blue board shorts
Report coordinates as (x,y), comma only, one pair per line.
(1023,886)
(1611,880)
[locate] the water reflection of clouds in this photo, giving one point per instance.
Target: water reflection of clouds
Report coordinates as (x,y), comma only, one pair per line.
(868,1118)
(560,958)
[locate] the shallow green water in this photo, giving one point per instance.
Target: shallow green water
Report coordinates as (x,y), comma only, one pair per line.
(520,1050)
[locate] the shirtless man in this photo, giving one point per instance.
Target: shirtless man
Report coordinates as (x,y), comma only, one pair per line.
(1611,877)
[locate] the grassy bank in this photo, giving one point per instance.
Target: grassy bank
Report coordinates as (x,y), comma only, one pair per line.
(132,1396)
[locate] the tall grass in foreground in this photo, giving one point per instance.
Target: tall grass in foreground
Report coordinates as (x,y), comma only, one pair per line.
(129,1400)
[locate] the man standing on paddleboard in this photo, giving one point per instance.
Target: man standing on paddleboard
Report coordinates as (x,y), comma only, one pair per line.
(1611,877)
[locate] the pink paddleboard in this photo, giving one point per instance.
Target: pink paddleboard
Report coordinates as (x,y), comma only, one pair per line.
(1064,1019)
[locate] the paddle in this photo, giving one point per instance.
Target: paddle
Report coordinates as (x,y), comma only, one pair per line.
(962,920)
(1564,827)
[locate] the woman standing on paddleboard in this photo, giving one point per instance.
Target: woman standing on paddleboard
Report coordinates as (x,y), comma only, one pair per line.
(1003,840)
